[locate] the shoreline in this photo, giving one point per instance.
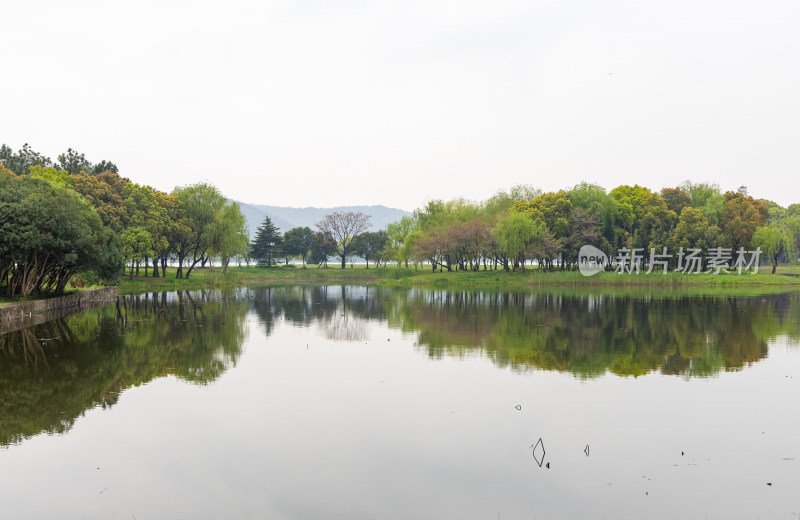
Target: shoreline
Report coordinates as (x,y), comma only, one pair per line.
(16,315)
(410,277)
(532,279)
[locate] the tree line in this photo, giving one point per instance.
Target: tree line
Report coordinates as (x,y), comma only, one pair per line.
(67,217)
(342,234)
(71,217)
(525,225)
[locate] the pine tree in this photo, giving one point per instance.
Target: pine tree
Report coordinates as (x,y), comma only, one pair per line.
(264,245)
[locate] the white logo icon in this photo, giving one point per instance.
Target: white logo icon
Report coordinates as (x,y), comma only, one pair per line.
(591,260)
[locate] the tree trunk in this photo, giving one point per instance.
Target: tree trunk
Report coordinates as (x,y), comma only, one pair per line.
(189,271)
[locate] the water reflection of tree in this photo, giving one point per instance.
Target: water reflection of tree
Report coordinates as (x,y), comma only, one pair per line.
(590,335)
(341,312)
(50,374)
(586,334)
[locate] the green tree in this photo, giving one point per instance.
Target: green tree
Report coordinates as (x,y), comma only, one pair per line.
(516,234)
(585,229)
(74,162)
(502,201)
(51,175)
(136,245)
(741,216)
(594,199)
(264,244)
(203,207)
(104,166)
(231,235)
(707,198)
(676,199)
(397,248)
(691,230)
(322,247)
(170,215)
(143,209)
(105,193)
(775,242)
(21,162)
(48,233)
(643,219)
(370,244)
(297,242)
(554,209)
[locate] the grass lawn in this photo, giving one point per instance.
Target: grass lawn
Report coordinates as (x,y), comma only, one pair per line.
(787,276)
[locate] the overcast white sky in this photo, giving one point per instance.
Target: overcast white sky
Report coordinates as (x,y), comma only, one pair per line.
(326,103)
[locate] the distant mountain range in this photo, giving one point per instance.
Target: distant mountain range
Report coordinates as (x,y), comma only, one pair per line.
(287,218)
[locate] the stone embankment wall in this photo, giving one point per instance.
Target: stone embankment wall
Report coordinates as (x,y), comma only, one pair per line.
(24,314)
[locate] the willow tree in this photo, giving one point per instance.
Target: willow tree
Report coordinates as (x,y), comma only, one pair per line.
(206,219)
(516,234)
(775,242)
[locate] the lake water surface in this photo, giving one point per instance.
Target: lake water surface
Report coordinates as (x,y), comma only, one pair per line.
(365,403)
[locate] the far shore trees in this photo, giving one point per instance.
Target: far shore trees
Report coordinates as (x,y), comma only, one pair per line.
(322,247)
(774,241)
(195,225)
(297,242)
(265,243)
(344,227)
(370,245)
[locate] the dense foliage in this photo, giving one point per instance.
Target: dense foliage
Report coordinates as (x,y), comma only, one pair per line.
(513,228)
(87,215)
(49,233)
(67,217)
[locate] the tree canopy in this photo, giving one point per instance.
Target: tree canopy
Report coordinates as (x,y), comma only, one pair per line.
(49,233)
(104,218)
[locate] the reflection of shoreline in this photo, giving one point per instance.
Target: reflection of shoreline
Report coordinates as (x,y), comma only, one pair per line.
(53,372)
(28,314)
(592,336)
(569,330)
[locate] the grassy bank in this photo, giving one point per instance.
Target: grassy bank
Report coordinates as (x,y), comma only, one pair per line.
(279,275)
(290,275)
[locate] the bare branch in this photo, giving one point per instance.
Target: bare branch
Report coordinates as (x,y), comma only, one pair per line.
(344,227)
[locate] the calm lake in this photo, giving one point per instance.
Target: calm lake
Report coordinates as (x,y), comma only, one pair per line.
(377,403)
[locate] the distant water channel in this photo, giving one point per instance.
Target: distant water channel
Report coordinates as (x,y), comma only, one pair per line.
(375,403)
